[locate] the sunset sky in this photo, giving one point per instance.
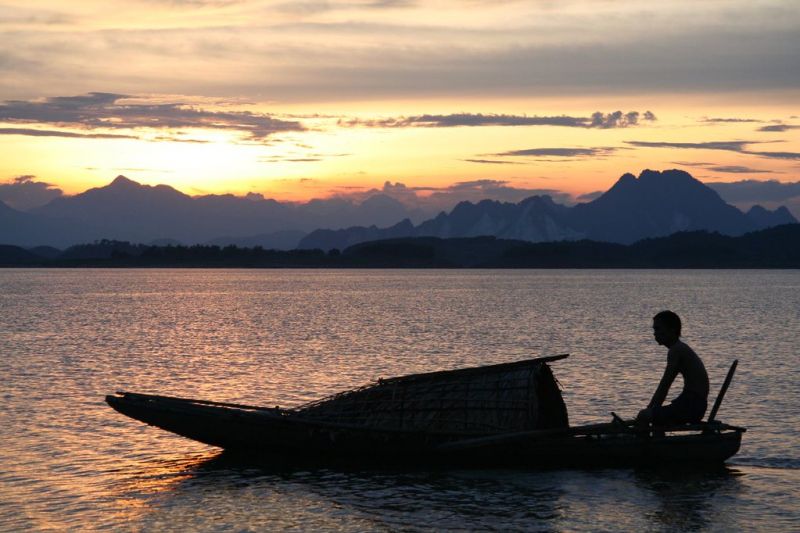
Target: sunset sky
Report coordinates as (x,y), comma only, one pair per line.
(303,99)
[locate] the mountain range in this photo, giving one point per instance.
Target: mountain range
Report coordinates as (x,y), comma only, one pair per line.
(654,204)
(127,210)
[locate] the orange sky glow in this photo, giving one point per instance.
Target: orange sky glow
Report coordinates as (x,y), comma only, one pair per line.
(300,100)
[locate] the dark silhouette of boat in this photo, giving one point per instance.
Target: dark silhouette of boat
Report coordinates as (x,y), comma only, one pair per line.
(509,414)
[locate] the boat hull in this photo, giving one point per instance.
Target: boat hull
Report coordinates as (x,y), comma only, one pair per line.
(278,433)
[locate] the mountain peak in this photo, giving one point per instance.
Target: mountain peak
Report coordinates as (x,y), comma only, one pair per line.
(122,181)
(626,181)
(671,174)
(655,181)
(764,218)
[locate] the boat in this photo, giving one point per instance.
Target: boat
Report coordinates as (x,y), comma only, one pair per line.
(509,414)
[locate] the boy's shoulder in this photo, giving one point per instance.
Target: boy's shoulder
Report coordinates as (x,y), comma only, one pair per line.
(679,349)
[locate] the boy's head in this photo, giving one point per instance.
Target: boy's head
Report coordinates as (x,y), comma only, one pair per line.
(666,328)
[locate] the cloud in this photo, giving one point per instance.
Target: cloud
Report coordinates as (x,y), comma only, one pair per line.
(779,127)
(619,120)
(752,191)
(569,153)
(589,196)
(192,4)
(110,111)
(730,146)
(729,169)
(431,200)
(298,158)
(312,7)
(492,162)
(31,132)
(727,120)
(477,190)
(793,156)
(177,139)
(445,49)
(738,169)
(24,192)
(600,120)
(289,159)
(27,16)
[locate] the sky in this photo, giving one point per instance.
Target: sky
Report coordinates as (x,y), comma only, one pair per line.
(311,99)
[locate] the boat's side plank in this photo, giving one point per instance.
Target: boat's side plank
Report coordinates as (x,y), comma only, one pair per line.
(156,397)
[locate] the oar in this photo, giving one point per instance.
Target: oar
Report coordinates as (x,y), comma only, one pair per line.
(722,391)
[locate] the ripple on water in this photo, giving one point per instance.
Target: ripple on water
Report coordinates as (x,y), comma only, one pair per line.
(286,337)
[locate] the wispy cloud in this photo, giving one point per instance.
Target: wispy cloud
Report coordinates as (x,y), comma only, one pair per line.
(492,162)
(723,120)
(792,156)
(779,127)
(175,139)
(431,200)
(757,190)
(110,111)
(589,196)
(299,158)
(738,169)
(730,146)
(311,7)
(33,132)
(616,119)
(192,4)
(728,169)
(353,49)
(567,153)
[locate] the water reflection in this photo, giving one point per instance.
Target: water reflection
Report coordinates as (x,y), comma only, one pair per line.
(685,498)
(353,497)
(207,492)
(68,338)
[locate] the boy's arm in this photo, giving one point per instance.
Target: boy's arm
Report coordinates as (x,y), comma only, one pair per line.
(666,381)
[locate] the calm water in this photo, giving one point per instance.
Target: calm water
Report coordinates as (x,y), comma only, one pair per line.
(67,337)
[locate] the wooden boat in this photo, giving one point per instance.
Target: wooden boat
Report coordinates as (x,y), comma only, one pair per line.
(509,414)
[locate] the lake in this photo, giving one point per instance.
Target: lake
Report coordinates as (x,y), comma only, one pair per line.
(283,337)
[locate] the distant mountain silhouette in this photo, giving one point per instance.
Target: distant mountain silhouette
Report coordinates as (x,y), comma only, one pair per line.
(535,219)
(127,210)
(26,229)
(652,205)
(656,204)
(764,218)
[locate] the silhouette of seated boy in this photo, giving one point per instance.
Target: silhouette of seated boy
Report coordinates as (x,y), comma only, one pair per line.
(691,403)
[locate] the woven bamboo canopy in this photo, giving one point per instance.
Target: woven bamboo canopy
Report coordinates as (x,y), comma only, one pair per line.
(518,396)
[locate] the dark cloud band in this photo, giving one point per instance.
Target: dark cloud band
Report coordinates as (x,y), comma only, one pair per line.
(599,120)
(559,152)
(31,132)
(729,146)
(757,191)
(110,111)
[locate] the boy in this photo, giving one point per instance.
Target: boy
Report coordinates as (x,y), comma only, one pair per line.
(690,405)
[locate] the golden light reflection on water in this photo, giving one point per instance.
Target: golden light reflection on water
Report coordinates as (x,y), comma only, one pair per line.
(69,337)
(135,487)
